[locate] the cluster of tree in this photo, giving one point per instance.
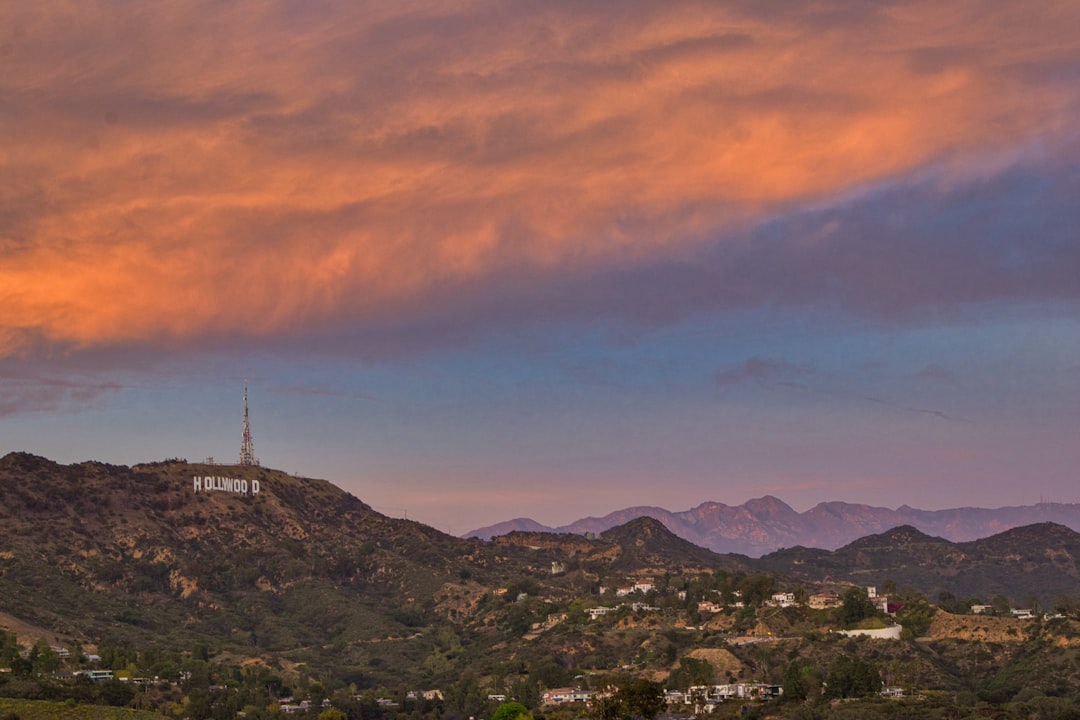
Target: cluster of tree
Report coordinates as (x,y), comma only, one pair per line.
(633,699)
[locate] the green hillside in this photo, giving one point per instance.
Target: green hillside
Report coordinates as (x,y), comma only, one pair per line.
(209,602)
(45,710)
(1033,563)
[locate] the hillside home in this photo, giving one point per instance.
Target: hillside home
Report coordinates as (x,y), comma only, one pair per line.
(560,696)
(720,693)
(675,697)
(289,709)
(97,676)
(824,601)
(782,599)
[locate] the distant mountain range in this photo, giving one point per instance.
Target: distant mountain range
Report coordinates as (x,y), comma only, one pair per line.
(764,525)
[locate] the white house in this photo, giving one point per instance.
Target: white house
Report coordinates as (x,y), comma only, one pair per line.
(560,696)
(782,599)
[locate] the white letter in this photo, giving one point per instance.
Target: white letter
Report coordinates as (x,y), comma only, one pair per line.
(254,487)
(198,483)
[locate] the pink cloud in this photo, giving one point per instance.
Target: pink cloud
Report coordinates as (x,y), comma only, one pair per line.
(190,171)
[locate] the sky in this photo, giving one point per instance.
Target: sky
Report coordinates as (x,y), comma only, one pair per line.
(486,260)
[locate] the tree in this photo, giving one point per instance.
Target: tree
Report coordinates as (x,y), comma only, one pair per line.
(796,689)
(692,671)
(915,619)
(114,692)
(511,711)
(852,677)
(605,707)
(549,673)
(641,698)
(634,699)
(756,589)
(1002,604)
(857,607)
(465,697)
(9,647)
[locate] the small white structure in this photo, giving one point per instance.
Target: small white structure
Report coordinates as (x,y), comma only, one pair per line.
(889,633)
(782,599)
(561,696)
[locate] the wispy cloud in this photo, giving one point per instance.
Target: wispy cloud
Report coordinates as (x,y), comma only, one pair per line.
(327,393)
(804,377)
(48,394)
(362,171)
(935,373)
(764,371)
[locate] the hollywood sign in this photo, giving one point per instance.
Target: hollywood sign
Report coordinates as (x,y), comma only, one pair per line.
(226,484)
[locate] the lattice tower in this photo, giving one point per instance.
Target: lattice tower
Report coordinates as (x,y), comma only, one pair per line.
(247,447)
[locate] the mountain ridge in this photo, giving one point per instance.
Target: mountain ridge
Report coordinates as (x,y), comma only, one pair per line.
(767,524)
(1038,562)
(305,572)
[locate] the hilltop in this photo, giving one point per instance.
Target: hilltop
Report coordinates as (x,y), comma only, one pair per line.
(1035,562)
(135,554)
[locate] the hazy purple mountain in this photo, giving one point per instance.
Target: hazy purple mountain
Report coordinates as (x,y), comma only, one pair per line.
(509,526)
(762,525)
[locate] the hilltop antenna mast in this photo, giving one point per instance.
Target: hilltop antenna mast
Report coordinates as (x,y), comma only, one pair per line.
(247,447)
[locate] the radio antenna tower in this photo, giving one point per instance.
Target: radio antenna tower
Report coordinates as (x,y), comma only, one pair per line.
(247,448)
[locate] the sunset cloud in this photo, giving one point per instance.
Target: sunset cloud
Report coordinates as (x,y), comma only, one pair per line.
(187,171)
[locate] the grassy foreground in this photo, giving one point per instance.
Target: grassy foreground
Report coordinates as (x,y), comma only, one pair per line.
(45,710)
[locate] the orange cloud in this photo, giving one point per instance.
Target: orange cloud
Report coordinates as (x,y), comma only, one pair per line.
(186,171)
